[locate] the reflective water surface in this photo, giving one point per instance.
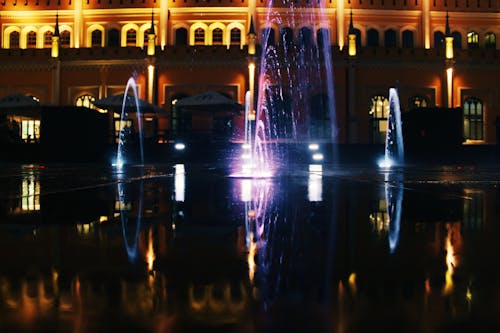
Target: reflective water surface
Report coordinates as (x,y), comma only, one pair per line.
(186,248)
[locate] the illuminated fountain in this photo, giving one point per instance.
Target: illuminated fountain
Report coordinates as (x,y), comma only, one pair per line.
(394,202)
(295,87)
(394,148)
(125,136)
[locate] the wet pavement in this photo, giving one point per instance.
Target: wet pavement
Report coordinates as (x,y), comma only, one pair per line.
(189,248)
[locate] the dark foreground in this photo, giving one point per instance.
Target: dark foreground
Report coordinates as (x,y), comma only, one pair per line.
(164,248)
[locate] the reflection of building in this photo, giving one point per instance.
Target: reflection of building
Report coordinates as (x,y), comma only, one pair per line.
(439,54)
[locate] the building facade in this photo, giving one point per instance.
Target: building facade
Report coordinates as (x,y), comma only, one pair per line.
(74,52)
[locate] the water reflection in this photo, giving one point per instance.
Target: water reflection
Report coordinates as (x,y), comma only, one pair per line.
(249,255)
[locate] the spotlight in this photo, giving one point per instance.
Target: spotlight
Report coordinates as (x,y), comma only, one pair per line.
(179,146)
(313,146)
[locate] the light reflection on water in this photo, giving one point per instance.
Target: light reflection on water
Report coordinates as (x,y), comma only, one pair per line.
(115,252)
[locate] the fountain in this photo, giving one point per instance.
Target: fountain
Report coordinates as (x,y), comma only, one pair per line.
(126,133)
(394,202)
(394,148)
(295,103)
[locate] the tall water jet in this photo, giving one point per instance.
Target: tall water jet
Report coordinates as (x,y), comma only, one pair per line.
(295,102)
(394,201)
(126,133)
(394,147)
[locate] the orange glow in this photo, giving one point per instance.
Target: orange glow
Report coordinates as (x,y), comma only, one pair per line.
(252,251)
(150,255)
(451,260)
(449,82)
(352,283)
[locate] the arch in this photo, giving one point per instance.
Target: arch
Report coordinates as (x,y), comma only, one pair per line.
(472,40)
(390,38)
(357,32)
(142,39)
(438,39)
(457,39)
(490,40)
(216,34)
(322,37)
(113,37)
(305,37)
(65,33)
(372,39)
(125,33)
(286,37)
(43,36)
(91,41)
(268,36)
(408,40)
(181,36)
(31,39)
(23,42)
(198,34)
(473,109)
(229,35)
(6,35)
(85,100)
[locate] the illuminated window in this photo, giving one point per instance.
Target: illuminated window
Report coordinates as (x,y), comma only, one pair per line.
(379,219)
(30,130)
(86,101)
(199,36)
(14,40)
(131,37)
(408,40)
(181,36)
(379,110)
(65,38)
(217,36)
(96,38)
(490,40)
(372,38)
(472,39)
(235,36)
(438,39)
(47,39)
(31,40)
(473,119)
(30,189)
(390,38)
(418,102)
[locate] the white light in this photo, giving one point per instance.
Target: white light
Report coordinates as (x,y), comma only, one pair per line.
(246,146)
(315,183)
(313,146)
(179,182)
(179,146)
(246,190)
(385,163)
(318,168)
(317,157)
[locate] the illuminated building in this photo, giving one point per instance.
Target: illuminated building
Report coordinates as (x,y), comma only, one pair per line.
(440,53)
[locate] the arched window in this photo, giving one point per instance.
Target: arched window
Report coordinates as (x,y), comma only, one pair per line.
(14,40)
(418,102)
(47,39)
(305,37)
(322,38)
(357,32)
(31,40)
(235,36)
(490,40)
(457,39)
(181,36)
(113,38)
(86,101)
(390,38)
(217,36)
(472,39)
(96,38)
(268,36)
(473,119)
(65,38)
(131,37)
(199,36)
(372,38)
(438,39)
(408,39)
(286,37)
(378,113)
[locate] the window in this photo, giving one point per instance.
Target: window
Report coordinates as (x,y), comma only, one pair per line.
(418,102)
(305,38)
(96,38)
(457,39)
(473,119)
(286,37)
(408,39)
(472,39)
(473,210)
(357,32)
(47,39)
(372,38)
(125,127)
(86,101)
(131,37)
(379,111)
(217,36)
(30,130)
(390,38)
(65,38)
(235,36)
(320,128)
(199,36)
(268,36)
(181,36)
(113,38)
(438,39)
(31,40)
(323,38)
(490,40)
(14,40)
(30,189)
